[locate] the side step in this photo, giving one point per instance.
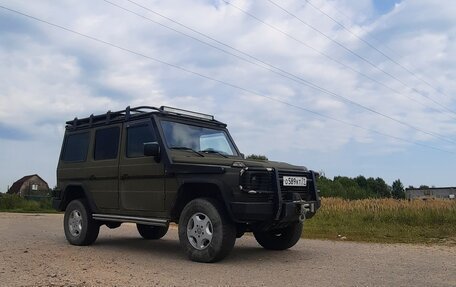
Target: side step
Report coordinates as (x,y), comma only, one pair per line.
(123,218)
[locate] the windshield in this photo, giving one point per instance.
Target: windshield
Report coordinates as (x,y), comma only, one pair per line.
(200,139)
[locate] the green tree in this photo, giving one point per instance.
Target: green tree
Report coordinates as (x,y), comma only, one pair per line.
(398,189)
(361,181)
(353,188)
(384,189)
(378,188)
(257,157)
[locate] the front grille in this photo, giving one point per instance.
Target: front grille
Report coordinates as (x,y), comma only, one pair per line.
(303,191)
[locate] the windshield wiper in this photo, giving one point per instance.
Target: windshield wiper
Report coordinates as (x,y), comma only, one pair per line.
(187,148)
(213,151)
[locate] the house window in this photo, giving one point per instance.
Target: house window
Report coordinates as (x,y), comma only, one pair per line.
(106,143)
(75,147)
(136,137)
(34,186)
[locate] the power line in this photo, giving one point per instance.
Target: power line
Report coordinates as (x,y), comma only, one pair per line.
(333,59)
(358,55)
(282,32)
(274,69)
(373,46)
(217,80)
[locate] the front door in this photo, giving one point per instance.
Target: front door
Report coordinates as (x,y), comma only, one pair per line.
(141,178)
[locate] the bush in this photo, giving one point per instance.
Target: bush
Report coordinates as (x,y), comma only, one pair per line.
(13,202)
(257,157)
(353,188)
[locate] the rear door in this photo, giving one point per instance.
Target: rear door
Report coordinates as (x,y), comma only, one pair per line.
(103,173)
(141,183)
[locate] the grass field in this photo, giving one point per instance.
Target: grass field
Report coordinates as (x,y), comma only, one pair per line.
(385,220)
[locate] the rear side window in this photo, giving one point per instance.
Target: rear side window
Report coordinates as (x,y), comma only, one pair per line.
(76,147)
(106,143)
(136,137)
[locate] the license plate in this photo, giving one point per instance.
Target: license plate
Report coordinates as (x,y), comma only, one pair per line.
(294,181)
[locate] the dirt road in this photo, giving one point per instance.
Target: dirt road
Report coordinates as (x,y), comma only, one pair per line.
(34,252)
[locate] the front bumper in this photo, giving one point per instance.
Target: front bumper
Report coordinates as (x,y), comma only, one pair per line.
(266,211)
(283,205)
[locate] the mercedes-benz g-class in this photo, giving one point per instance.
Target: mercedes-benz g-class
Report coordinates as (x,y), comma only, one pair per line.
(154,166)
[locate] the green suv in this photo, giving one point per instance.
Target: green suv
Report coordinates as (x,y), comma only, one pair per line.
(153,166)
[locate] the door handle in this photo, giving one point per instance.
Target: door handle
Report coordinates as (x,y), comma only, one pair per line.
(124,176)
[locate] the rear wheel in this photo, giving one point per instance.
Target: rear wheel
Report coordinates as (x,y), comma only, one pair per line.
(205,231)
(80,228)
(152,232)
(280,239)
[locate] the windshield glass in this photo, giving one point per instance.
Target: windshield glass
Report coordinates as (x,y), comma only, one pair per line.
(200,139)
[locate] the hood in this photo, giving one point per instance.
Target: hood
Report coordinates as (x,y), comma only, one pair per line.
(214,159)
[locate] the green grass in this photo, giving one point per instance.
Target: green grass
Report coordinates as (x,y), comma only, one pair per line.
(15,203)
(385,220)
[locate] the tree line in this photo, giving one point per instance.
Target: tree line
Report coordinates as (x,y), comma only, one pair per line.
(359,187)
(354,188)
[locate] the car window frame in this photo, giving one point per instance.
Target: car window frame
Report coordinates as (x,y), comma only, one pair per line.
(65,145)
(118,142)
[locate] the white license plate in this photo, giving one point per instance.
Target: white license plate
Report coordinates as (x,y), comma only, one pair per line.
(294,181)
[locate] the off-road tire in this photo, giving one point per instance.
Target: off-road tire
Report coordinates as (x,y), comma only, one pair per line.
(280,239)
(152,232)
(223,231)
(84,229)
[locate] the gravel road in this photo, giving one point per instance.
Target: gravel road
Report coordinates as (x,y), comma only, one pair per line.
(34,252)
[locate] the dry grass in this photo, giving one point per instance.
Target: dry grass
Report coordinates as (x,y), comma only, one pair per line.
(385,220)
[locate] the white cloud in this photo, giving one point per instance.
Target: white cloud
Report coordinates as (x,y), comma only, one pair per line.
(49,76)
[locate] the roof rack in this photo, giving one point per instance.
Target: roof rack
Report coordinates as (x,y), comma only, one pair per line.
(128,113)
(110,116)
(182,112)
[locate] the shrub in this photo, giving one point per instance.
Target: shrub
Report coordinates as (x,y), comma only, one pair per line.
(13,202)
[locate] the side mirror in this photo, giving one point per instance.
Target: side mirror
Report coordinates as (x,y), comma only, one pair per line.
(152,149)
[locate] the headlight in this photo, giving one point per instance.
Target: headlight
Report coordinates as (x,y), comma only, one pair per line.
(256,181)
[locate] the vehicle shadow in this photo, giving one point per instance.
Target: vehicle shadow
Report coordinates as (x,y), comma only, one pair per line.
(170,248)
(258,254)
(163,247)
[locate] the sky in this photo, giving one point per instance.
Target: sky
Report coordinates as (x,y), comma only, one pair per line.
(344,87)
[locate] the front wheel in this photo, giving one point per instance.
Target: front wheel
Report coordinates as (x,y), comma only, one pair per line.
(205,231)
(280,239)
(80,228)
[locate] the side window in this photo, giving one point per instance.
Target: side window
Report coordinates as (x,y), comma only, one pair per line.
(75,147)
(136,137)
(106,143)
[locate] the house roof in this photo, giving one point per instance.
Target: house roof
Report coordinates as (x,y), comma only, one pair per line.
(16,187)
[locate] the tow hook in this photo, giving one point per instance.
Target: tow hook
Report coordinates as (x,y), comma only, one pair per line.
(305,207)
(302,216)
